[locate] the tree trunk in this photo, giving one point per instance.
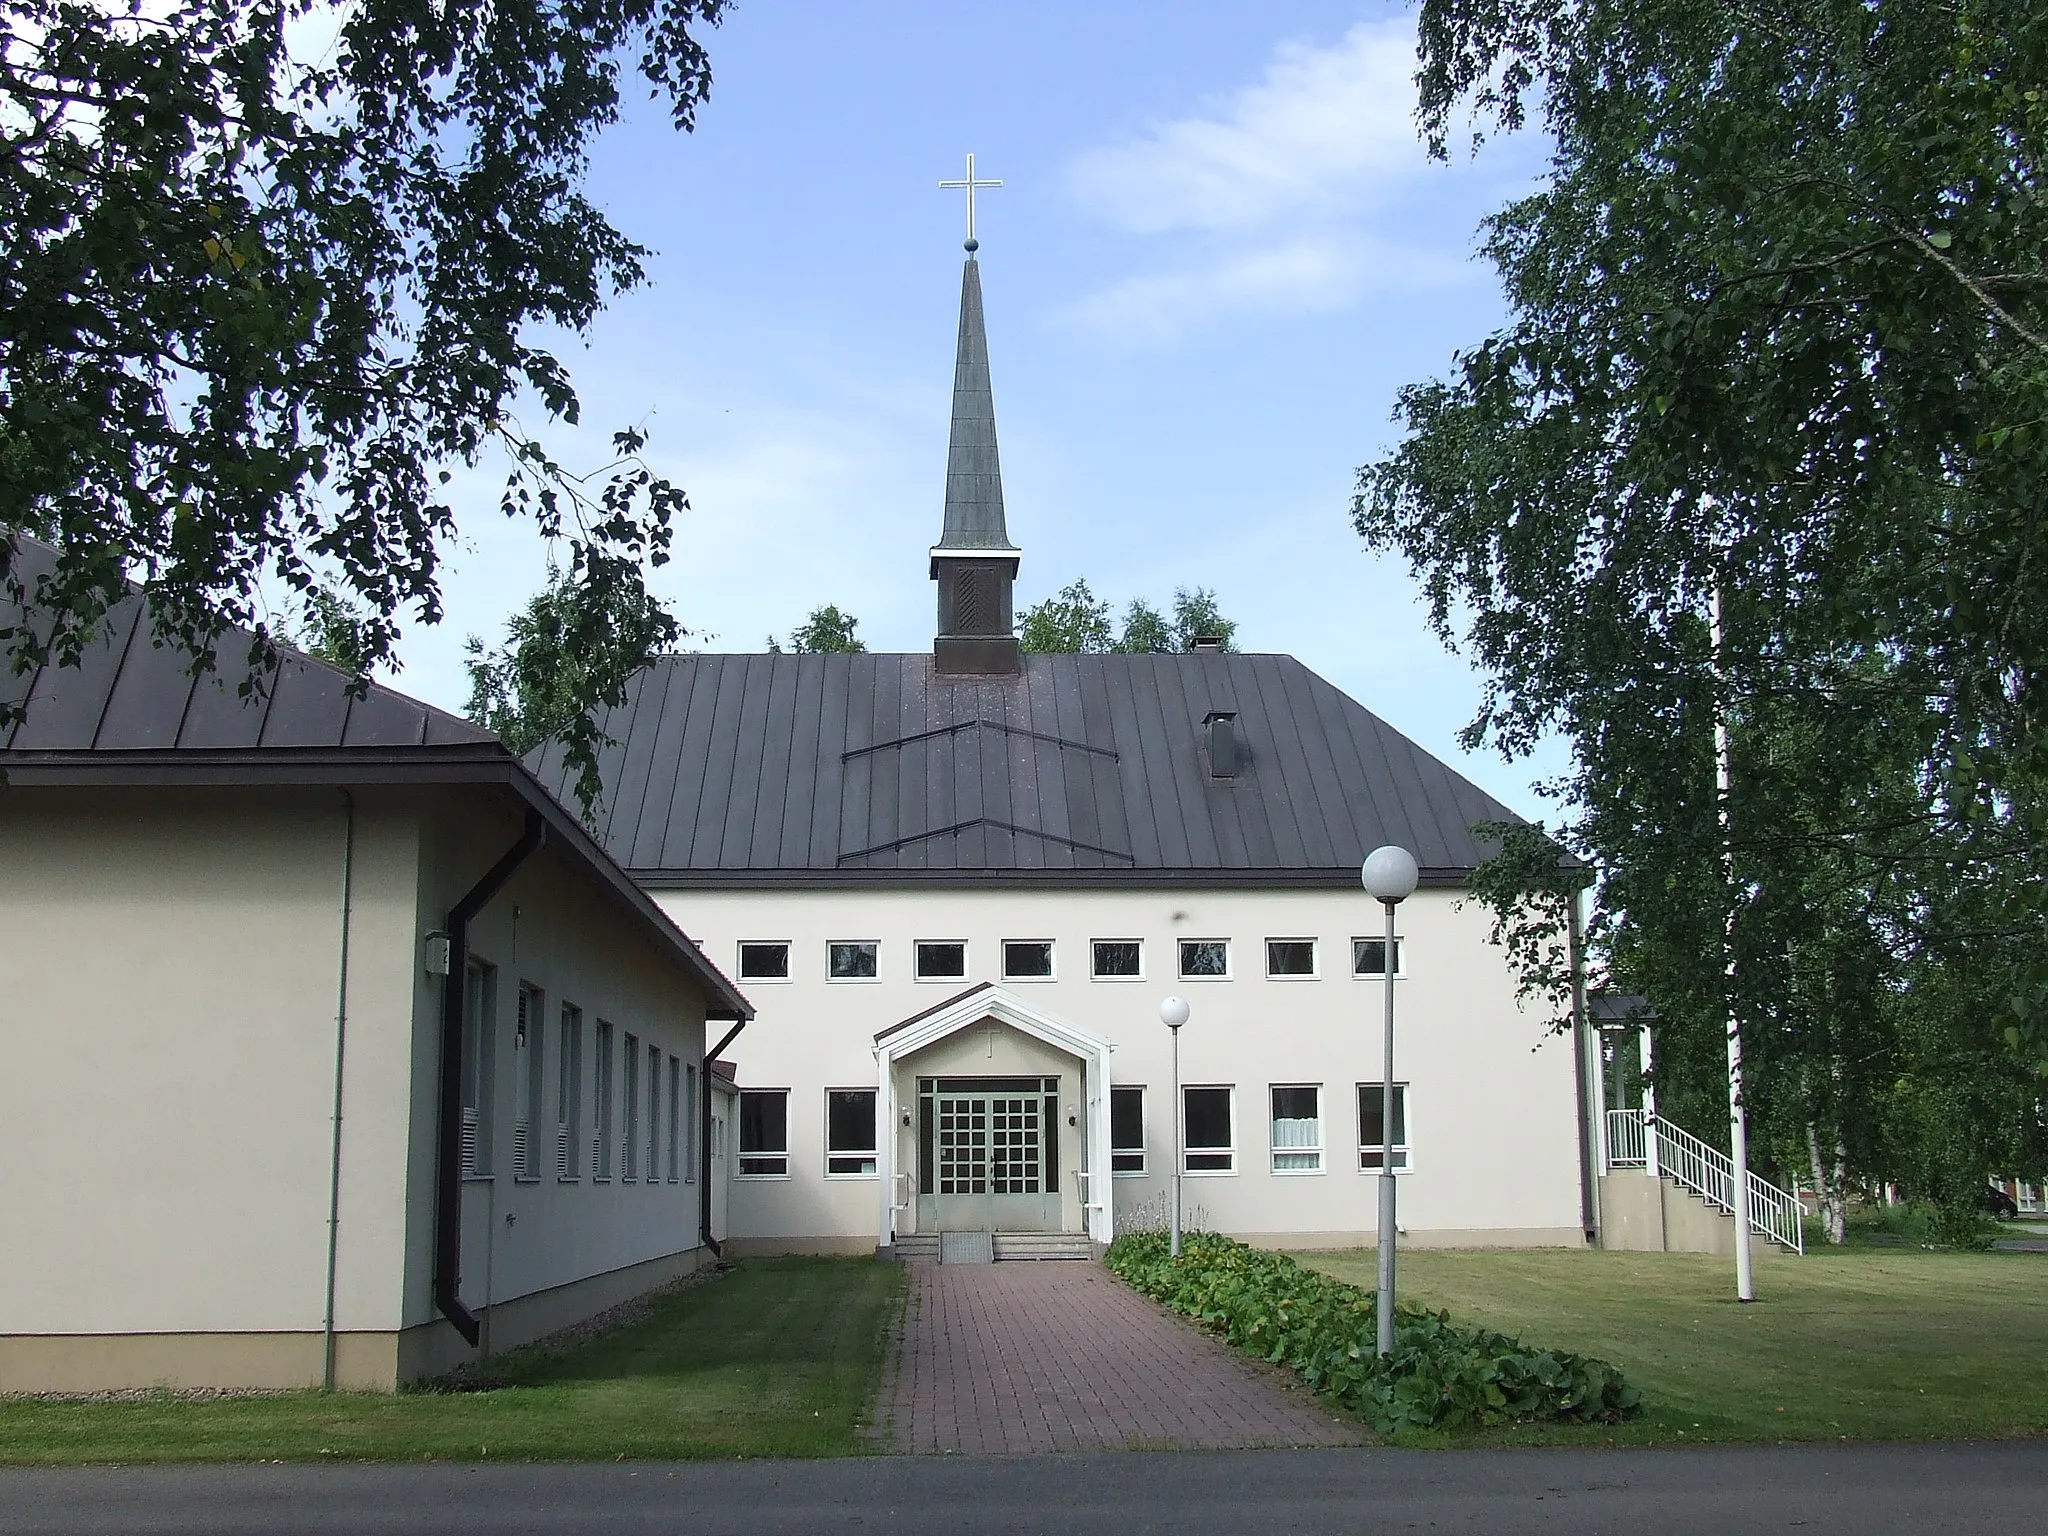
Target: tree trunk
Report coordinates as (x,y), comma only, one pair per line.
(1827,1181)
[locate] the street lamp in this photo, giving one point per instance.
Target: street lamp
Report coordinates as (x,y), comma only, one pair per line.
(1173,1013)
(1389,878)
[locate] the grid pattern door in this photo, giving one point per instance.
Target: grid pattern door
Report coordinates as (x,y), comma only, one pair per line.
(1015,1155)
(963,1145)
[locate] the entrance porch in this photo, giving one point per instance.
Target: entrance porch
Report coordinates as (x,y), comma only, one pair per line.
(996,1121)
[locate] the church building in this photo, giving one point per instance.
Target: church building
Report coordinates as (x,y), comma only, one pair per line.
(957,885)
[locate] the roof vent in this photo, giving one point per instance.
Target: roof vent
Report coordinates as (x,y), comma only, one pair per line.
(1207,645)
(1219,728)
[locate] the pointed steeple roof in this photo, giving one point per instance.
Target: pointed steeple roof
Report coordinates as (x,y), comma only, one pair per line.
(974,477)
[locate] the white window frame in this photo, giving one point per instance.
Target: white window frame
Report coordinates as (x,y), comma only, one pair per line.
(1315,959)
(604,1088)
(872,1154)
(569,1094)
(1404,1150)
(853,981)
(1180,960)
(654,1055)
(1188,1151)
(1275,1151)
(629,1096)
(479,1068)
(675,1118)
(1400,956)
(1052,961)
(1143,1148)
(1096,975)
(763,1154)
(739,960)
(529,1079)
(917,974)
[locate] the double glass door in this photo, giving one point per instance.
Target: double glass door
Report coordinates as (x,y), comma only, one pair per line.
(988,1154)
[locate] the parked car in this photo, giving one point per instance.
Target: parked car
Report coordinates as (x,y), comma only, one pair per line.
(1996,1202)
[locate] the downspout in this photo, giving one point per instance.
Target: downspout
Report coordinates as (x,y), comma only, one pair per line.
(1589,1212)
(704,1139)
(448,1180)
(348,873)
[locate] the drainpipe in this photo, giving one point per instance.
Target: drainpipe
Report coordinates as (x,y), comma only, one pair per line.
(348,871)
(448,1181)
(704,1139)
(1589,1210)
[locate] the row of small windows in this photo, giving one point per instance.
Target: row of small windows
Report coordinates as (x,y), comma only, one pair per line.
(642,1099)
(1033,959)
(1209,1122)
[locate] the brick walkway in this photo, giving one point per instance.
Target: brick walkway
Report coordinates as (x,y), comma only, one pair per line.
(1007,1358)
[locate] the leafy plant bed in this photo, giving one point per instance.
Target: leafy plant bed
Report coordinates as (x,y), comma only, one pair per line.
(1440,1376)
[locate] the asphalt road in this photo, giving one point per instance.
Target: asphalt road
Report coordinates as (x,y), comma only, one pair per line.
(1860,1489)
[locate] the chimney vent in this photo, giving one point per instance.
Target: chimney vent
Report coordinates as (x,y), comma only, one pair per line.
(1207,645)
(1219,727)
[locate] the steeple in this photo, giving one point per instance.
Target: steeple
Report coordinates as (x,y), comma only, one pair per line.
(974,562)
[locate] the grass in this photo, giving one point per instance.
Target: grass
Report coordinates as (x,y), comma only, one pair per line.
(778,1357)
(1876,1344)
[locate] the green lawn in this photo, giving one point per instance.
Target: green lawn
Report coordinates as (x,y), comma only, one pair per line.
(779,1357)
(1865,1345)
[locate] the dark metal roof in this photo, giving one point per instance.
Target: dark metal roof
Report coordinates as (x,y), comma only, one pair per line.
(130,694)
(873,768)
(1618,1008)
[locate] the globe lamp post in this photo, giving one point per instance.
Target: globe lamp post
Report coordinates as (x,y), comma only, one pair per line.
(1389,878)
(1173,1013)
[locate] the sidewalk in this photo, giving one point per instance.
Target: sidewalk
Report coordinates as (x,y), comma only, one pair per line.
(1023,1357)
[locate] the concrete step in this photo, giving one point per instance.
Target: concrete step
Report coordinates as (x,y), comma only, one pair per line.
(916,1248)
(1043,1245)
(926,1247)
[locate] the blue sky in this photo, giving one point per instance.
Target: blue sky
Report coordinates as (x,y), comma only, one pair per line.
(1217,255)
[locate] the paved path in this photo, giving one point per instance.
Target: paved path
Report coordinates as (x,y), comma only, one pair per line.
(1060,1356)
(1877,1490)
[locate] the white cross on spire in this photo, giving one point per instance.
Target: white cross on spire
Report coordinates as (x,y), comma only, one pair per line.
(969,185)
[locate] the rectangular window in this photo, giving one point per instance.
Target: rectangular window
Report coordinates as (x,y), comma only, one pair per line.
(479,1067)
(569,1094)
(654,1114)
(1369,957)
(601,1139)
(1127,1130)
(852,960)
(629,1093)
(764,1133)
(1371,1123)
(1207,1116)
(527,1054)
(850,1132)
(1290,957)
(941,960)
(1117,959)
(1204,959)
(693,1118)
(1298,1130)
(675,1119)
(1027,959)
(764,960)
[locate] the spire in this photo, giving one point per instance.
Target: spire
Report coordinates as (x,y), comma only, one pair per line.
(974,476)
(974,562)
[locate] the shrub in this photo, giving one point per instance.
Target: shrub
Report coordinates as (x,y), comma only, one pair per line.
(1439,1377)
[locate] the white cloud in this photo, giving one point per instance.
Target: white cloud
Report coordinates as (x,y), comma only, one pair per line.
(1311,274)
(1314,136)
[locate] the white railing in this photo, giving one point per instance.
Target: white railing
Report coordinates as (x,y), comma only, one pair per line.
(1625,1138)
(1707,1172)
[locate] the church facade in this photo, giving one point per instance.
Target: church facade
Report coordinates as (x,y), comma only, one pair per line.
(956,885)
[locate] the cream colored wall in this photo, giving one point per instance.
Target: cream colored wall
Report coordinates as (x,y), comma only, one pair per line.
(557,928)
(1492,1107)
(167,1046)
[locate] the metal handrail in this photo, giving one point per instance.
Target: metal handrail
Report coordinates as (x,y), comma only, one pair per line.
(1707,1172)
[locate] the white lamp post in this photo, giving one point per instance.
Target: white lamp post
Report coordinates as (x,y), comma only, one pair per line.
(1389,878)
(1173,1013)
